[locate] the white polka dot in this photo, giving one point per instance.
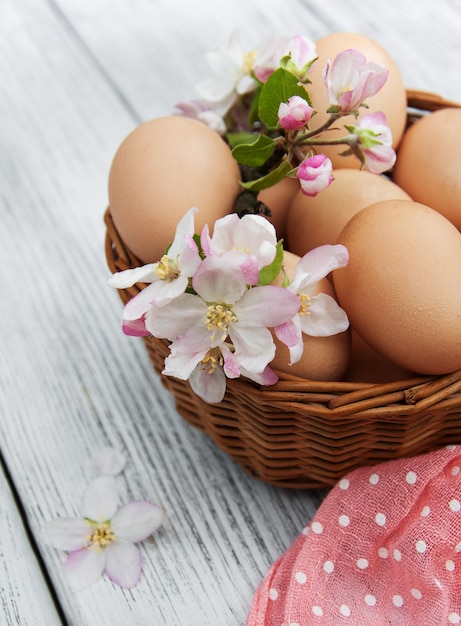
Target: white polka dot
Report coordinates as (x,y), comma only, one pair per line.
(370,600)
(458,547)
(449,565)
(455,470)
(411,478)
(425,511)
(416,593)
(345,610)
(273,594)
(451,446)
(397,601)
(374,479)
(317,528)
(300,577)
(328,567)
(397,555)
(362,563)
(306,530)
(317,610)
(455,505)
(380,519)
(421,546)
(344,521)
(383,553)
(454,618)
(344,484)
(294,624)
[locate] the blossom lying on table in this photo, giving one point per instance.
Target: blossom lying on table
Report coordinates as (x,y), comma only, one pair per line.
(102,540)
(212,297)
(259,102)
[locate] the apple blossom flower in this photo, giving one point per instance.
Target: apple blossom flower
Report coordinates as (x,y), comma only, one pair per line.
(202,112)
(231,75)
(372,142)
(268,58)
(103,539)
(251,240)
(350,80)
(302,53)
(168,278)
(223,309)
(318,315)
(315,173)
(295,113)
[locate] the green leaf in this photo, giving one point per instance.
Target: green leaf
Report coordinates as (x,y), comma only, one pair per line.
(255,153)
(236,139)
(268,274)
(279,87)
(270,179)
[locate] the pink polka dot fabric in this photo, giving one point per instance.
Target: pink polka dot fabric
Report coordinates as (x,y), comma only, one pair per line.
(383,549)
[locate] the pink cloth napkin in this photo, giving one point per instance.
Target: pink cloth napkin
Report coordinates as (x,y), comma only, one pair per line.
(384,548)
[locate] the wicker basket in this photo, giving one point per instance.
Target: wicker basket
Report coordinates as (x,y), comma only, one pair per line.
(306,434)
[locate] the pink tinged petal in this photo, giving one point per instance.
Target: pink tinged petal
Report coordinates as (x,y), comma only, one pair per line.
(140,304)
(84,567)
(189,260)
(290,332)
(205,240)
(137,520)
(176,317)
(267,306)
(254,347)
(231,365)
(325,317)
(66,533)
(135,328)
(266,377)
(123,564)
(379,159)
(128,278)
(218,280)
(303,50)
(295,113)
(186,352)
(210,386)
(296,352)
(223,233)
(100,499)
(184,228)
(315,174)
(317,264)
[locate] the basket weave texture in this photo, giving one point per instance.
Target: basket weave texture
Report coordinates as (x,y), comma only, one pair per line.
(308,434)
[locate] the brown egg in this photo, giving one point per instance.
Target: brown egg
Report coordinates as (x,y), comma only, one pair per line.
(324,358)
(402,286)
(162,169)
(366,365)
(314,221)
(391,99)
(428,163)
(278,199)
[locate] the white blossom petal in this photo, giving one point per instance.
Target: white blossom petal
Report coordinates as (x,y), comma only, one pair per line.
(211,387)
(325,317)
(176,317)
(254,347)
(136,521)
(108,461)
(123,564)
(100,499)
(266,306)
(128,278)
(66,533)
(83,568)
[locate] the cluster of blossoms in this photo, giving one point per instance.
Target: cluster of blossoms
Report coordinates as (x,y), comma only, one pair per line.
(259,101)
(102,539)
(213,299)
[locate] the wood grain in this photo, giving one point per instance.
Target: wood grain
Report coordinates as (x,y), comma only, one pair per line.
(75,78)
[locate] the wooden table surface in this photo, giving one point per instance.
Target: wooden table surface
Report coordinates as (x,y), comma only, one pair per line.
(76,76)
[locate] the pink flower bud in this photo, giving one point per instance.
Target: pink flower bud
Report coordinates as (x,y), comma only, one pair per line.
(374,143)
(295,113)
(315,174)
(350,80)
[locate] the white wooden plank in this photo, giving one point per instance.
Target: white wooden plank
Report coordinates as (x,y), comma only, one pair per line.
(24,596)
(75,78)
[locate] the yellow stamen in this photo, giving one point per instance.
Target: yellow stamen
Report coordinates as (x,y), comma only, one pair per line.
(166,269)
(219,316)
(100,537)
(249,61)
(212,359)
(305,303)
